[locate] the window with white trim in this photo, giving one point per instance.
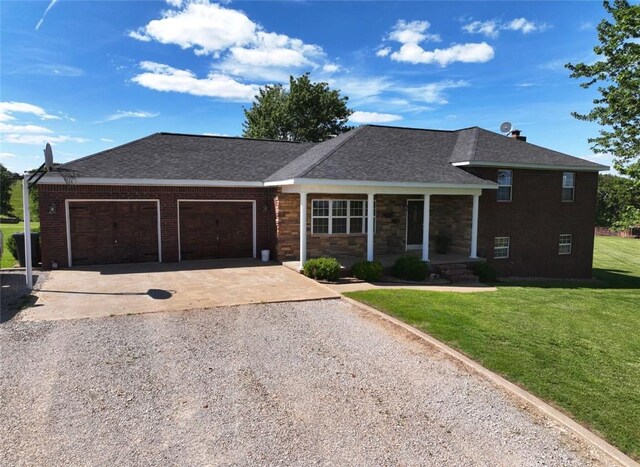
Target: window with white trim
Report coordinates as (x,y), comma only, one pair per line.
(501,247)
(339,216)
(505,181)
(564,244)
(568,186)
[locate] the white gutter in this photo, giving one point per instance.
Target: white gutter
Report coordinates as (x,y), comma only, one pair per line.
(55,179)
(524,165)
(369,183)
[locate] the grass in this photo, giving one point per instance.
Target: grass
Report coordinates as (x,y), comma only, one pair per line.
(7,260)
(576,345)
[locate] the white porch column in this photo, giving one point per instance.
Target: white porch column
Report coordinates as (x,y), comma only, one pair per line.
(425,228)
(474,227)
(303,229)
(27,230)
(370,224)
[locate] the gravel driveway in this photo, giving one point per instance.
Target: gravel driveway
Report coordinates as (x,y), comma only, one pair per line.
(294,383)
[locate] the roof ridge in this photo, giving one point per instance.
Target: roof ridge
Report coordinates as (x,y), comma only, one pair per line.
(409,128)
(170,133)
(348,137)
(109,149)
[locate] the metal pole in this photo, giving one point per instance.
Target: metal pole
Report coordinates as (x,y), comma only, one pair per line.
(27,229)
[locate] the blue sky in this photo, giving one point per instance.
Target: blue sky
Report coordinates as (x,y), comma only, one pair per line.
(87,76)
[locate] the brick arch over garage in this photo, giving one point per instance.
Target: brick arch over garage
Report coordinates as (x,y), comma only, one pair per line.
(53,225)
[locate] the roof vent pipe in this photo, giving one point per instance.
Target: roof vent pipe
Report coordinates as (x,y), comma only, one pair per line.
(516,134)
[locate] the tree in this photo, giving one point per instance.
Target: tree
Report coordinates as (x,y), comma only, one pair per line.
(6,180)
(615,195)
(618,76)
(306,112)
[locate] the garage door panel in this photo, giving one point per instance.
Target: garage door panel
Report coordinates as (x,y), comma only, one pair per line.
(104,232)
(216,229)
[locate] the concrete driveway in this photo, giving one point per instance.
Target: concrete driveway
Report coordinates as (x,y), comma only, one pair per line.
(111,290)
(307,383)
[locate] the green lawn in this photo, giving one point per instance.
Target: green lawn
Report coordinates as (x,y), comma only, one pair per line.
(7,260)
(575,345)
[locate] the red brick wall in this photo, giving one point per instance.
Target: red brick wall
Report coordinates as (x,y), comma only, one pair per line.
(53,226)
(534,219)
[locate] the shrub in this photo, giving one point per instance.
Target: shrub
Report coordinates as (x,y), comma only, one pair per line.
(410,268)
(485,272)
(12,246)
(369,271)
(327,269)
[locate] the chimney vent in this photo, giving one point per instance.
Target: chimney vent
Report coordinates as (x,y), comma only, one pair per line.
(516,134)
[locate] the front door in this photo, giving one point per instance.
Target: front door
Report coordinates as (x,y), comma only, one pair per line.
(415,220)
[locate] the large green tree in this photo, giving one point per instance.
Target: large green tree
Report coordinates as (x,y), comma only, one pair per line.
(6,180)
(617,75)
(307,111)
(616,196)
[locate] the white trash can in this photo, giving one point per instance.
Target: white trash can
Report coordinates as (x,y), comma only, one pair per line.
(265,256)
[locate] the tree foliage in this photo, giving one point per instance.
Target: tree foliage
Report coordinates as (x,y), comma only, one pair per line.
(305,112)
(615,196)
(617,74)
(6,180)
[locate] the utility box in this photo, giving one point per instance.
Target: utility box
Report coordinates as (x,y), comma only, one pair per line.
(35,248)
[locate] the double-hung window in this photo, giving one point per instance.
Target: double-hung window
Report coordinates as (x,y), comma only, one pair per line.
(568,186)
(505,180)
(564,244)
(339,216)
(501,247)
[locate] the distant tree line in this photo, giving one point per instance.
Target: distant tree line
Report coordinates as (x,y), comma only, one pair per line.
(618,203)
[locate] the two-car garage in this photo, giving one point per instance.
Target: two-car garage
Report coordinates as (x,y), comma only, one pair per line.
(129,230)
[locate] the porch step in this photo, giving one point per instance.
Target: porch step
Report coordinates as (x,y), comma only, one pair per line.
(457,273)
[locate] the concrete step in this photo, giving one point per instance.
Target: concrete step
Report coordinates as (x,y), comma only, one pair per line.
(452,267)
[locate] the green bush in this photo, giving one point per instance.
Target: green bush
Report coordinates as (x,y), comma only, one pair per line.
(410,268)
(326,269)
(485,272)
(369,271)
(12,246)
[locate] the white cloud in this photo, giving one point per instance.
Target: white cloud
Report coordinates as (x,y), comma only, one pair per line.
(107,140)
(412,32)
(373,117)
(433,93)
(175,3)
(525,26)
(586,26)
(23,129)
(7,155)
(361,90)
(44,15)
(330,68)
(120,114)
(7,109)
(244,48)
(208,28)
(488,28)
(491,28)
(161,77)
(465,53)
(40,139)
(216,134)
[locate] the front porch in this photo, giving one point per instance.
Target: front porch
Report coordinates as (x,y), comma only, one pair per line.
(321,220)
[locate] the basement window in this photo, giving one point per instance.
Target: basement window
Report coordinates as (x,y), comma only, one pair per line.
(568,186)
(339,216)
(505,180)
(564,245)
(501,247)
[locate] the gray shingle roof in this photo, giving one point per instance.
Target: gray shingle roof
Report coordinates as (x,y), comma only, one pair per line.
(479,145)
(368,153)
(167,156)
(383,154)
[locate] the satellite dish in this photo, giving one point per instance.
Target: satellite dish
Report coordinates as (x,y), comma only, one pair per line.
(48,157)
(506,127)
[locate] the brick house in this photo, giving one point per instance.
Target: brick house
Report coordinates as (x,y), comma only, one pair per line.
(527,210)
